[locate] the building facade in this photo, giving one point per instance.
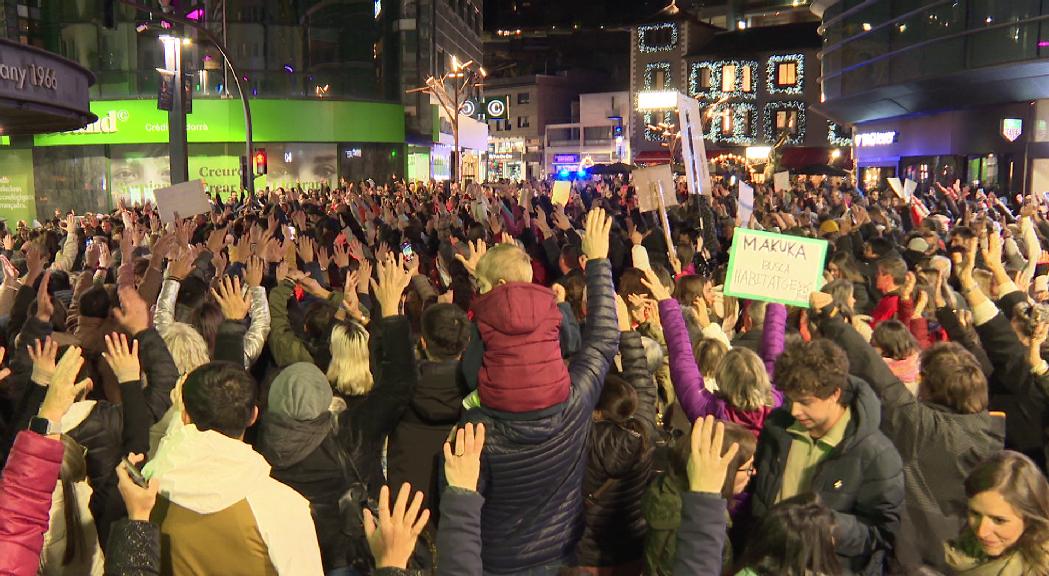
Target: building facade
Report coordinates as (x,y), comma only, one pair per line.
(947,91)
(757,87)
(516,143)
(319,63)
(600,135)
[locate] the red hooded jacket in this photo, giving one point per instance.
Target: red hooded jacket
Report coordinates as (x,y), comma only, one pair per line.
(522,369)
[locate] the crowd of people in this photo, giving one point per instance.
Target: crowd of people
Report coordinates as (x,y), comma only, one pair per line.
(427,378)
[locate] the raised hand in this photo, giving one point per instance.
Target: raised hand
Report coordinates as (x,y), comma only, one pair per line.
(133,313)
(477,250)
(462,463)
(595,238)
(231,299)
(340,256)
(43,356)
(392,541)
(122,358)
(651,281)
(708,459)
(393,279)
(34,258)
(306,249)
(44,306)
(63,391)
(253,272)
(216,240)
(10,272)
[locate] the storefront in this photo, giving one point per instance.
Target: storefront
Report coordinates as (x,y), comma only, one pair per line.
(124,153)
(506,159)
(984,147)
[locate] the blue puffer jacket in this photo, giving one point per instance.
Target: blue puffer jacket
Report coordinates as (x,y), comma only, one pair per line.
(532,465)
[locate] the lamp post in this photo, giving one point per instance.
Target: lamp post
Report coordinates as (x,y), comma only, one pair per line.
(459,80)
(178,147)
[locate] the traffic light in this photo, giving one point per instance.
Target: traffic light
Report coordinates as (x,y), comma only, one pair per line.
(260,161)
(246,176)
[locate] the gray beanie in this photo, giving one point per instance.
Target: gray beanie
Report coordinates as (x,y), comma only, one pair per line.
(301,392)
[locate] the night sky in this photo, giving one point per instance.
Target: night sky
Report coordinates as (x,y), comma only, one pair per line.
(498,13)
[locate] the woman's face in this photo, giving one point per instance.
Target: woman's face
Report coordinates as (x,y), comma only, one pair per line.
(743,476)
(835,272)
(995,523)
(708,293)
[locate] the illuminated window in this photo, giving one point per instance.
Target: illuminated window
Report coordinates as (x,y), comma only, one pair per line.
(787,119)
(787,74)
(704,78)
(748,84)
(728,78)
(726,122)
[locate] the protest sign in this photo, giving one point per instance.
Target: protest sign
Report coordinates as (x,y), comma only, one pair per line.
(909,186)
(896,186)
(560,193)
(187,199)
(774,267)
(647,182)
(693,149)
(746,204)
(781,181)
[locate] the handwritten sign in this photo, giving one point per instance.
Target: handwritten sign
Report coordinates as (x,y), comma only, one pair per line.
(647,182)
(781,181)
(774,267)
(746,203)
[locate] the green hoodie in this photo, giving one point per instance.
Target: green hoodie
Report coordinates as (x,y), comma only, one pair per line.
(661,506)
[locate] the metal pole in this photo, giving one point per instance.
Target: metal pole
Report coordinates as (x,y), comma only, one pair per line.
(178,153)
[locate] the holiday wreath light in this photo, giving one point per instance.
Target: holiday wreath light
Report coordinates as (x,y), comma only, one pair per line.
(650,70)
(714,91)
(838,135)
(770,76)
(646,48)
(743,132)
(772,133)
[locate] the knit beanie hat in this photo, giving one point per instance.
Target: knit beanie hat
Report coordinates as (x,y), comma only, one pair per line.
(301,392)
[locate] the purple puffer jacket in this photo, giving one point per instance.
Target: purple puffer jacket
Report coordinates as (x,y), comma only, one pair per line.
(694,398)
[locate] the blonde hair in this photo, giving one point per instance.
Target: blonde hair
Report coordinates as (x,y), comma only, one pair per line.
(503,262)
(350,368)
(187,346)
(743,381)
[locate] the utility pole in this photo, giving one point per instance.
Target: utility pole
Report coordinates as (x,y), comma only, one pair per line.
(178,146)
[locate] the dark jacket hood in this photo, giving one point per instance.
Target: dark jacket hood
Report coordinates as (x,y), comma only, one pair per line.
(284,441)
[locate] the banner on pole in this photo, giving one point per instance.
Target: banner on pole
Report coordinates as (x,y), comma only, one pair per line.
(774,267)
(693,149)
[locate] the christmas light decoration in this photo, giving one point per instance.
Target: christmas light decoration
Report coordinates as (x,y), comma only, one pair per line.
(770,76)
(650,70)
(649,119)
(838,135)
(714,91)
(771,133)
(646,48)
(729,158)
(743,124)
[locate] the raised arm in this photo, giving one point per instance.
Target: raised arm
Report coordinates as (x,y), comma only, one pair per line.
(285,346)
(693,396)
(773,336)
(601,339)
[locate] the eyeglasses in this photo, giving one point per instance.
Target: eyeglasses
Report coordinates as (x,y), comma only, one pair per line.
(751,471)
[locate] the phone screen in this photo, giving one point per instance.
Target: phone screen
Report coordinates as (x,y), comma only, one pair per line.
(407,251)
(291,230)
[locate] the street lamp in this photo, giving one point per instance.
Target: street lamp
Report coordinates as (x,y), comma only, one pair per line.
(451,91)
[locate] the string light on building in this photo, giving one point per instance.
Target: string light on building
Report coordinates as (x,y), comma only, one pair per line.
(650,70)
(642,32)
(838,135)
(772,132)
(743,125)
(716,90)
(773,65)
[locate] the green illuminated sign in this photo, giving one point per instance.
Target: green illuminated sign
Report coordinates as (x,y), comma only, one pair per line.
(139,122)
(17,201)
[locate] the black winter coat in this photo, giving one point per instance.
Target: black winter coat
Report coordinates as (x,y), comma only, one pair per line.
(939,448)
(861,480)
(532,465)
(620,460)
(414,450)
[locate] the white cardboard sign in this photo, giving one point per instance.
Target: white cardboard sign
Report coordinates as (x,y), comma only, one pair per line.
(774,267)
(187,199)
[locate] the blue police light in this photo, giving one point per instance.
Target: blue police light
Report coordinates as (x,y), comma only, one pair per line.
(581,173)
(563,174)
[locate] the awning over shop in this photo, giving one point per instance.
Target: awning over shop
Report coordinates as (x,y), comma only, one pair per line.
(41,92)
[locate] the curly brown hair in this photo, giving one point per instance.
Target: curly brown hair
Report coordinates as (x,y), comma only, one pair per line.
(818,367)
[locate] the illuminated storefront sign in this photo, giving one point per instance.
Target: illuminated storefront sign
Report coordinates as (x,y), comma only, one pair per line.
(867,139)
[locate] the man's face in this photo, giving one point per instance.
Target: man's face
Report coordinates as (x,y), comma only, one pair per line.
(882,281)
(817,415)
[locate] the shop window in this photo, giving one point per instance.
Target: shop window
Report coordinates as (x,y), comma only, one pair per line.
(728,78)
(786,74)
(522,122)
(748,83)
(524,97)
(787,119)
